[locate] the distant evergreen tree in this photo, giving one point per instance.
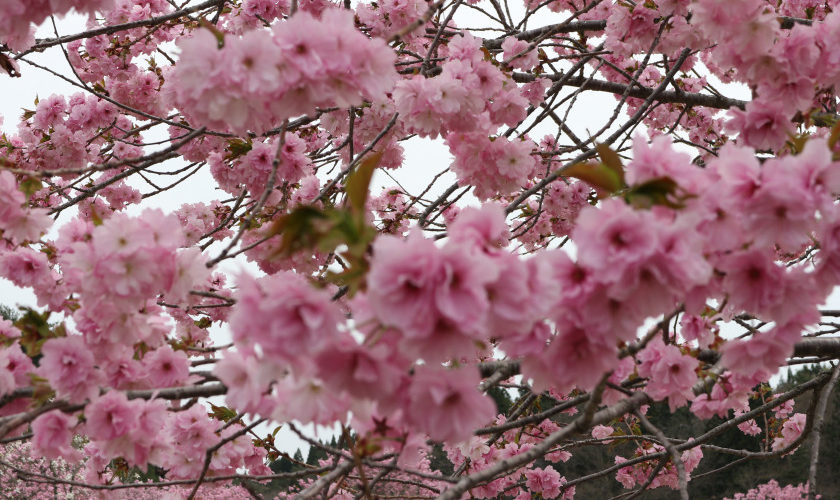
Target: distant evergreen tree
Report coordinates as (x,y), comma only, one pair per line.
(439,461)
(502,399)
(315,454)
(8,313)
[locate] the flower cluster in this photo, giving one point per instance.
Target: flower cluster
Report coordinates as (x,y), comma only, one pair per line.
(19,223)
(19,16)
(256,81)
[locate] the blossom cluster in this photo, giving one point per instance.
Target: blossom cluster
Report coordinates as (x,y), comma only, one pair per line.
(288,106)
(256,81)
(476,455)
(19,16)
(772,489)
(19,223)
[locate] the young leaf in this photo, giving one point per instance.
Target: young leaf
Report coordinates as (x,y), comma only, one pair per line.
(35,330)
(30,186)
(662,191)
(298,229)
(598,175)
(611,159)
(358,182)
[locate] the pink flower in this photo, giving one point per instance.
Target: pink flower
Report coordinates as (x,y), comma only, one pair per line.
(122,371)
(575,358)
(15,365)
(192,432)
(68,365)
(461,293)
(483,228)
(613,237)
(493,165)
(749,427)
(781,212)
(546,481)
(697,328)
(166,368)
(791,430)
(26,267)
(753,281)
(763,125)
(402,283)
(446,404)
(514,47)
(246,384)
(364,372)
(302,63)
(511,303)
(602,431)
(190,271)
(150,441)
(670,373)
(308,400)
(111,416)
(192,429)
(659,159)
(51,436)
(18,223)
(285,316)
(761,355)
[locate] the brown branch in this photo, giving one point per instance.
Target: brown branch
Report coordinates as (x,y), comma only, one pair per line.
(670,96)
(325,480)
(107,30)
(819,420)
(672,450)
(210,451)
(517,461)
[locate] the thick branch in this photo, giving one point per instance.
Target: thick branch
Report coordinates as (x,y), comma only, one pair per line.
(552,29)
(107,30)
(670,96)
(819,420)
(517,461)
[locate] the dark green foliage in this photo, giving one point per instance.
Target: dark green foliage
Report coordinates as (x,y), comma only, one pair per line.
(280,485)
(316,454)
(438,461)
(502,399)
(792,469)
(8,313)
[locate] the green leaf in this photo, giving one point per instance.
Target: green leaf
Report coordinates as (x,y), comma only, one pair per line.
(30,186)
(662,191)
(95,218)
(308,227)
(203,323)
(598,175)
(222,413)
(834,136)
(611,159)
(299,229)
(358,183)
(238,147)
(797,142)
(824,119)
(35,330)
(42,392)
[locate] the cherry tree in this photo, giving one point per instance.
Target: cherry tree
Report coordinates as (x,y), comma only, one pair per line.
(614,228)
